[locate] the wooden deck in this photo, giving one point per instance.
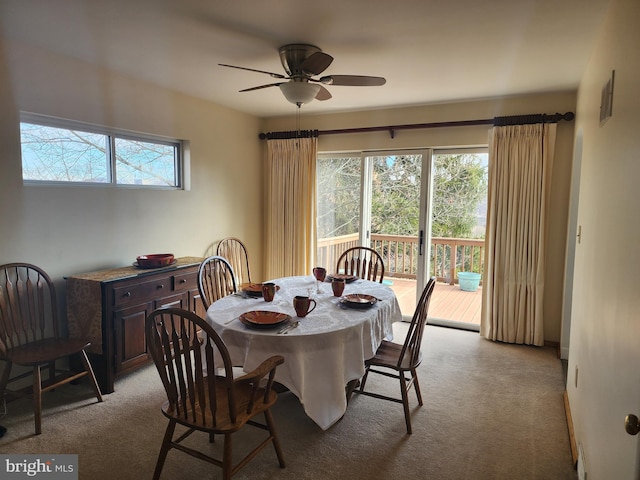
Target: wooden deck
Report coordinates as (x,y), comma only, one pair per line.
(447,303)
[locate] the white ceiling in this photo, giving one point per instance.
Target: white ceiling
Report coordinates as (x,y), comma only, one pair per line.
(430,51)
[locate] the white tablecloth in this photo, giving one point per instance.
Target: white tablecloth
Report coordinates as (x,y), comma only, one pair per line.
(323,353)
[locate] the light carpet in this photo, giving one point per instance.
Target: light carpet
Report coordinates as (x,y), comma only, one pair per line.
(491,411)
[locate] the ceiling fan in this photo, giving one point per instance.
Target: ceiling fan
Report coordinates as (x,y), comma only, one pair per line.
(301,63)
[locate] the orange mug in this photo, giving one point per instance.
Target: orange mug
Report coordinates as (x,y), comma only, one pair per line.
(337,285)
(303,305)
(320,273)
(268,291)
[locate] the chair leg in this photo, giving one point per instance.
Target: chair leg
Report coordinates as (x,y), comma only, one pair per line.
(4,380)
(405,401)
(351,386)
(37,398)
(416,385)
(89,369)
(164,449)
(364,379)
(52,371)
(227,458)
(276,443)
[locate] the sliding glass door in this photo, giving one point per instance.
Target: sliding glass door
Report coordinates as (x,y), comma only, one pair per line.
(399,220)
(339,203)
(457,236)
(379,200)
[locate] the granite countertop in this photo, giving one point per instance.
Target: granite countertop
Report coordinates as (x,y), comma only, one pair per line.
(132,271)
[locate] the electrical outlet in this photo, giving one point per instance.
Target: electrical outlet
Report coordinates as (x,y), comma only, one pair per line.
(576,377)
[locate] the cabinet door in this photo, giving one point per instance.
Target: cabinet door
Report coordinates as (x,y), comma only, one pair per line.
(130,346)
(196,305)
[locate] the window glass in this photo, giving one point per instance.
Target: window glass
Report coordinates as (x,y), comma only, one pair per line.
(338,184)
(338,204)
(144,163)
(61,155)
(52,152)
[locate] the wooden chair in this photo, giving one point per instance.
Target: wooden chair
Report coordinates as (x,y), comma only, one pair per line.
(363,262)
(182,346)
(30,335)
(216,279)
(236,254)
(399,360)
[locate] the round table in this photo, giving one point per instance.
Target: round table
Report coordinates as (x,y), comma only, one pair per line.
(322,354)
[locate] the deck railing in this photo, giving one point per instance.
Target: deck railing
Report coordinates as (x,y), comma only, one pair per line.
(400,254)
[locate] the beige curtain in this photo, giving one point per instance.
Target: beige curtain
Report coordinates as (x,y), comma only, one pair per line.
(520,162)
(291,207)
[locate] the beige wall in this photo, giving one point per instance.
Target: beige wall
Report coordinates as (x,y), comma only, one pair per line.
(69,230)
(605,326)
(464,136)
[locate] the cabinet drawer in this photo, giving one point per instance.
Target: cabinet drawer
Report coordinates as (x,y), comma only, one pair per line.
(185,281)
(141,292)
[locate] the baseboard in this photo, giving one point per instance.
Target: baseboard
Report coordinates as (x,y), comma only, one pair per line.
(572,438)
(556,345)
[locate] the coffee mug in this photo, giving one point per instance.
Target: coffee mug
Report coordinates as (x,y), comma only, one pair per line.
(303,305)
(337,285)
(268,291)
(320,273)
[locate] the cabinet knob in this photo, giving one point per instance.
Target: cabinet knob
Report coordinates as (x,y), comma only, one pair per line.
(183,280)
(160,287)
(128,294)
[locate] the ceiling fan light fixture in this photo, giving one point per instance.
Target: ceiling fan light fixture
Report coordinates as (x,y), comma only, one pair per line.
(302,62)
(299,92)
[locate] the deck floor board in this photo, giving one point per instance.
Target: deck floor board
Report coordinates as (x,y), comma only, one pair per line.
(448,302)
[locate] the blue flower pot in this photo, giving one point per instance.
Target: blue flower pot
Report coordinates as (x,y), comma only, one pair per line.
(469,281)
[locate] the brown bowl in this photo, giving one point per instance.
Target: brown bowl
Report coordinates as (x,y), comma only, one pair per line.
(155,260)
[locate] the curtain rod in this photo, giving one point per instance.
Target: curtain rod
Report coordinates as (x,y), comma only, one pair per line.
(497,121)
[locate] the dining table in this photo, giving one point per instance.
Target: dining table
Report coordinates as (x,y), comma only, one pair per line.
(324,351)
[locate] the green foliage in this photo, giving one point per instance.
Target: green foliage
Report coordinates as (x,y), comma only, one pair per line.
(460,184)
(395,205)
(338,183)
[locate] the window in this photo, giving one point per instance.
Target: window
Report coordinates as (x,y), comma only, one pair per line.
(62,151)
(338,196)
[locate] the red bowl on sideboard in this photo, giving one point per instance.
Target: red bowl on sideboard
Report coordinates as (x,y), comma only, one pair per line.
(155,260)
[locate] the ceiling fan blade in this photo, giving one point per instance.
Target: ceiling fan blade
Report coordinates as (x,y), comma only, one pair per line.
(323,94)
(316,63)
(353,80)
(274,75)
(261,87)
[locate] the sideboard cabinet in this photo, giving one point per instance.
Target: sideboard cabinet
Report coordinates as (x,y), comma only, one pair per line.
(110,308)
